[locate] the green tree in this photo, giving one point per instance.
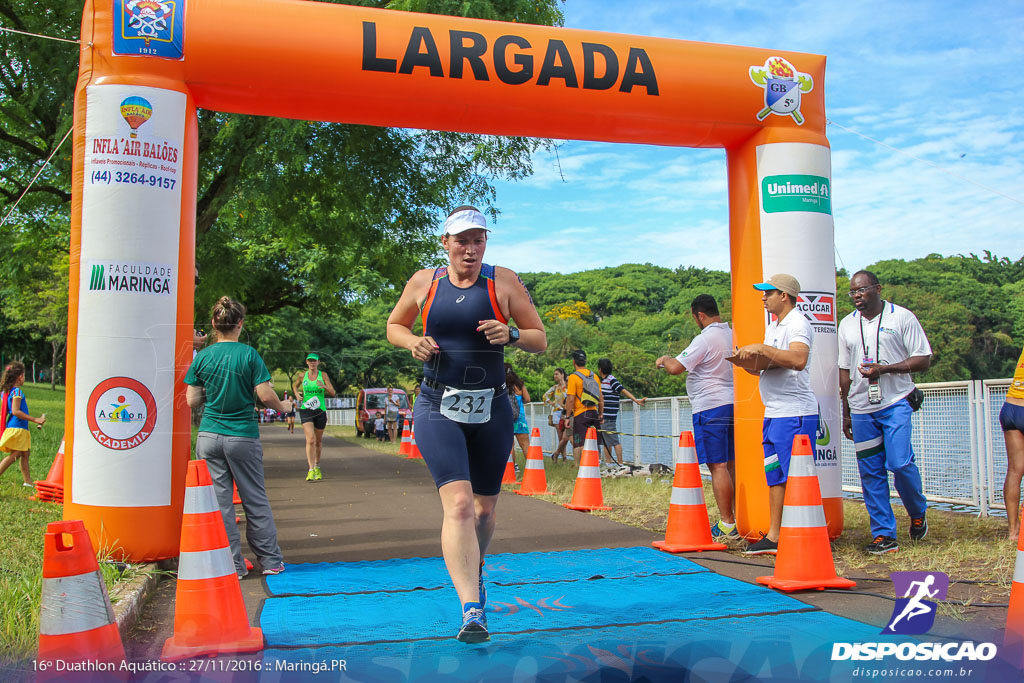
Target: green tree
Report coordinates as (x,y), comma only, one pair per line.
(43,310)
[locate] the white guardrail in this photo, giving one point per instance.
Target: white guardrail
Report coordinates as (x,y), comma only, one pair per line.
(958,443)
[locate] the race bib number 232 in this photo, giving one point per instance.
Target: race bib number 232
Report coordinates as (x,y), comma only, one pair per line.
(467,406)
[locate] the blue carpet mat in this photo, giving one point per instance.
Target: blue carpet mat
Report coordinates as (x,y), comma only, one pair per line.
(324,578)
(785,647)
(411,615)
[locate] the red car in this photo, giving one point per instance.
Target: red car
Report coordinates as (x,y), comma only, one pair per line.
(371,401)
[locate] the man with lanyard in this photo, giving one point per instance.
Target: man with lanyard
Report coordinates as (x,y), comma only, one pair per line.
(880,344)
(583,400)
(612,390)
(709,387)
(790,407)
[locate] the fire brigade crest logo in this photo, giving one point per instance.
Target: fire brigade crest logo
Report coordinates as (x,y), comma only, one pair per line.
(782,85)
(152,28)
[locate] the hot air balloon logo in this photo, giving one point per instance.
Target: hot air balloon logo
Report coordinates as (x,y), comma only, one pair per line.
(136,111)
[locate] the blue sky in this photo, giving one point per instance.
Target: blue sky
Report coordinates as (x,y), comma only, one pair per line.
(940,81)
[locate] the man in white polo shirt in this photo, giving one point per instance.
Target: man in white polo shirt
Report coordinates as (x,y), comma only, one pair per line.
(709,386)
(790,407)
(880,344)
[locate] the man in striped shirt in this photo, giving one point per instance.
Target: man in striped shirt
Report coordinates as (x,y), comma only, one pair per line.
(612,389)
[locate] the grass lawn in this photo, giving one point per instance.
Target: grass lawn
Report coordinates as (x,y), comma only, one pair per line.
(964,546)
(24,520)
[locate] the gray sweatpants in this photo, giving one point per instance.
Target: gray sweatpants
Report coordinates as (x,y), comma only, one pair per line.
(239,460)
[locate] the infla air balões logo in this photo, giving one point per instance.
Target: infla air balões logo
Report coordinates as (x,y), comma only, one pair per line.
(121,413)
(914,612)
(782,85)
(153,28)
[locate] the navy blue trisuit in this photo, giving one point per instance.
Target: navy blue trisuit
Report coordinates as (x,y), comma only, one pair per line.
(477,449)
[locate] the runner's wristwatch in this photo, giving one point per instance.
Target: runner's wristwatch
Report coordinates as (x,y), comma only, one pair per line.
(513,336)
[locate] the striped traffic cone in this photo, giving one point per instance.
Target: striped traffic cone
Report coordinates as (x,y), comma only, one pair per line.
(209,614)
(405,448)
(414,452)
(535,481)
(236,500)
(510,468)
(76,621)
(587,495)
(689,528)
(1013,639)
(804,558)
(51,489)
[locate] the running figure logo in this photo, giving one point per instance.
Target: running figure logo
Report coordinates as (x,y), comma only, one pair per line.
(914,613)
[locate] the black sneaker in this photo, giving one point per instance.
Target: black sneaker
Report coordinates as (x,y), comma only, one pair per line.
(882,545)
(474,626)
(918,528)
(762,547)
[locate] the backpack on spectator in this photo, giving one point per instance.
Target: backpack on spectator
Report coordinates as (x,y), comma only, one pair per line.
(591,390)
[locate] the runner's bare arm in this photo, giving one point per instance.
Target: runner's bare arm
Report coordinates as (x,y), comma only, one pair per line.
(515,304)
(403,317)
(328,387)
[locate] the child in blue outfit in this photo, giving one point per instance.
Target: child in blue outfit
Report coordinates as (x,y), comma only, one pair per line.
(379,428)
(15,440)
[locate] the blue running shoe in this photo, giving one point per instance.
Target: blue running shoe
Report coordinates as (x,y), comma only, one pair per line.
(474,624)
(718,533)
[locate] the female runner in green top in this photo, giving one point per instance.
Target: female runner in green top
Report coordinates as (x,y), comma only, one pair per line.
(310,393)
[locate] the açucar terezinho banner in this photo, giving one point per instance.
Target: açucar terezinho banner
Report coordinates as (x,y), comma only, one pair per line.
(127,306)
(797,237)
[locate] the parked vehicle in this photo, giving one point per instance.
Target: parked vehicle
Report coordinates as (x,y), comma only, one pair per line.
(370,401)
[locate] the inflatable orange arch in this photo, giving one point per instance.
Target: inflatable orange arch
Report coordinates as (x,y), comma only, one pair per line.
(146,65)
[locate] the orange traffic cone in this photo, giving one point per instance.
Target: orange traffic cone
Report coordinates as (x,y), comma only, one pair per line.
(76,621)
(689,529)
(587,495)
(535,482)
(414,452)
(236,500)
(510,468)
(405,448)
(1013,639)
(804,559)
(209,614)
(52,488)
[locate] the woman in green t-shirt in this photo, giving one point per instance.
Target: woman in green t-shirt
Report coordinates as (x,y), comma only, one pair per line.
(224,376)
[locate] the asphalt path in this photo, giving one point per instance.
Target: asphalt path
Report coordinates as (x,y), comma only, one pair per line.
(376,506)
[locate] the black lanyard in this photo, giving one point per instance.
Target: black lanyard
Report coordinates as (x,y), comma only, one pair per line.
(878,332)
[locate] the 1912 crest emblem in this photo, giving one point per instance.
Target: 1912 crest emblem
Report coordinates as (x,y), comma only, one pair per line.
(149,27)
(782,85)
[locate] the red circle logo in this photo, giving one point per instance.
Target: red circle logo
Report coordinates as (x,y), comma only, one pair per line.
(121,413)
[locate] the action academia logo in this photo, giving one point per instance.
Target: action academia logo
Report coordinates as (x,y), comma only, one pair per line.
(782,85)
(121,413)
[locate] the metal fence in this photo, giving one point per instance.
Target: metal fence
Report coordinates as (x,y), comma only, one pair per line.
(958,443)
(345,417)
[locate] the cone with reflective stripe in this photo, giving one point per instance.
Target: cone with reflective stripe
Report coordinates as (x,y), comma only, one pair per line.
(510,468)
(688,529)
(587,495)
(209,613)
(535,481)
(76,621)
(414,452)
(1013,639)
(804,559)
(51,489)
(405,448)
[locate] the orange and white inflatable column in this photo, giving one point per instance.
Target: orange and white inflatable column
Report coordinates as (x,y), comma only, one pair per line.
(781,222)
(131,286)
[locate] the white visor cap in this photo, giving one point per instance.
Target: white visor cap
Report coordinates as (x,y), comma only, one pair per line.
(461,221)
